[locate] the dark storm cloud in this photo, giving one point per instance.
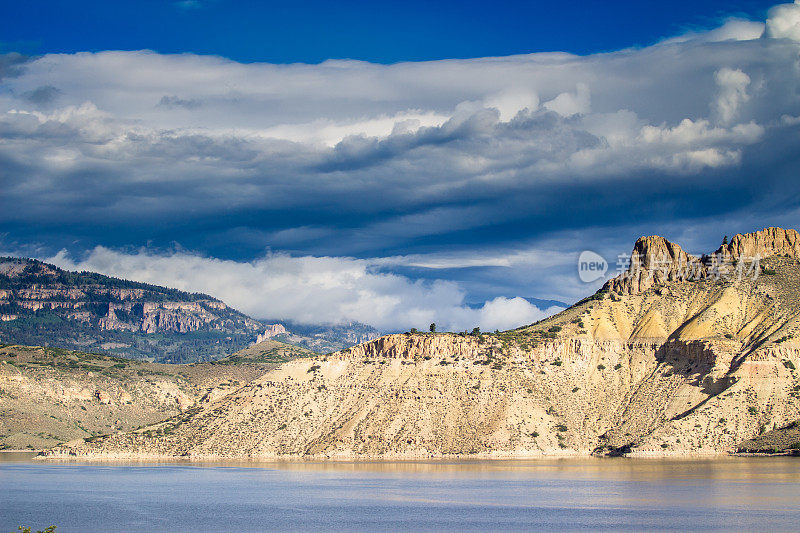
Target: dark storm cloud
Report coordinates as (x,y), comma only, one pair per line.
(42,96)
(11,64)
(492,172)
(176,101)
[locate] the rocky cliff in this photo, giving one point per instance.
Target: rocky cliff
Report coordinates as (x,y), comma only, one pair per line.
(655,260)
(42,304)
(659,362)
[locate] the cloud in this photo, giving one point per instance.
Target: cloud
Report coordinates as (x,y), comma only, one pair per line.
(783,22)
(569,104)
(175,101)
(43,96)
(512,101)
(312,290)
(733,29)
(732,85)
(481,173)
(11,64)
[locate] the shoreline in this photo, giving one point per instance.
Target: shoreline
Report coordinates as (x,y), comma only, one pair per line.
(141,457)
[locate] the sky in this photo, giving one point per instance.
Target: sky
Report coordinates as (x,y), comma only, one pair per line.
(395,164)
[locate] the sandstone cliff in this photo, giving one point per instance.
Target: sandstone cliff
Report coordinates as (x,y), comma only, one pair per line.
(659,362)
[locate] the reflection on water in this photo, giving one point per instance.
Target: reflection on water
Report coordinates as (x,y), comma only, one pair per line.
(565,494)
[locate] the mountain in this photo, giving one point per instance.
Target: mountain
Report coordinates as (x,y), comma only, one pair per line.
(50,395)
(41,304)
(324,338)
(546,304)
(679,355)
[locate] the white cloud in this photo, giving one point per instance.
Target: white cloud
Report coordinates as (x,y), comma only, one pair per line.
(733,29)
(732,85)
(567,104)
(512,101)
(783,22)
(348,158)
(312,289)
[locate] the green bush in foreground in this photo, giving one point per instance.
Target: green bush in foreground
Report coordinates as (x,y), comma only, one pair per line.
(50,529)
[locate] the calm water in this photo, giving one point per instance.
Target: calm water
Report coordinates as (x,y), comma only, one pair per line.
(622,494)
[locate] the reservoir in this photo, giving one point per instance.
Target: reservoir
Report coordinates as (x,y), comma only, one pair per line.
(569,494)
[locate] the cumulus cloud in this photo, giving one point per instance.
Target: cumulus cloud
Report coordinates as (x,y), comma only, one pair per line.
(513,100)
(569,104)
(733,29)
(313,290)
(783,22)
(454,166)
(732,85)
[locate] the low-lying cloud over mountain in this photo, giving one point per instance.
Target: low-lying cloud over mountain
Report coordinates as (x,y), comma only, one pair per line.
(315,289)
(397,194)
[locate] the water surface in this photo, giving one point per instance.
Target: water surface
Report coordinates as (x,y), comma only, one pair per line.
(572,494)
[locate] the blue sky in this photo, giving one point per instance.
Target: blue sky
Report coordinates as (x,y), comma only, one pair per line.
(382,32)
(217,147)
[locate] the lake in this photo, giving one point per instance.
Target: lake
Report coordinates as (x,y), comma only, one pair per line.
(567,495)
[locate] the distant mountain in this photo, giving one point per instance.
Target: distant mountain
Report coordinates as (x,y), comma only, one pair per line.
(324,338)
(41,304)
(546,304)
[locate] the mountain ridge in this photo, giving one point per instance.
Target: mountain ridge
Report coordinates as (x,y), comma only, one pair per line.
(682,365)
(42,304)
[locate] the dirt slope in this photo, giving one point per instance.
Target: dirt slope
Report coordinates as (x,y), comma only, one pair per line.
(49,396)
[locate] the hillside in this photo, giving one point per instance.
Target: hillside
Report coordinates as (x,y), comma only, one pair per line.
(41,304)
(679,355)
(49,395)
